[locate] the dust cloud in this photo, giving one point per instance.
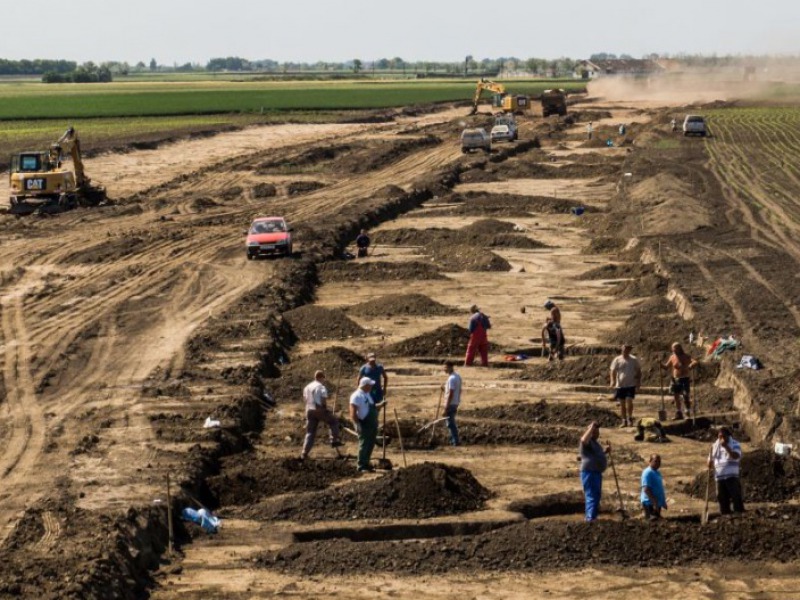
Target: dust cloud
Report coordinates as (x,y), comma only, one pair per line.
(695,87)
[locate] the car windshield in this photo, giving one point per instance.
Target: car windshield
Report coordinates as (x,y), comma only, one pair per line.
(268,227)
(694,119)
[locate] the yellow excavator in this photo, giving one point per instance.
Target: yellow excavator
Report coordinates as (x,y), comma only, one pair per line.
(500,99)
(39,181)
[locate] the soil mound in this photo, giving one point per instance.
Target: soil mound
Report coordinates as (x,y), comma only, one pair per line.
(264,190)
(312,322)
(347,271)
(295,188)
(760,535)
(247,478)
(506,205)
(618,271)
(395,305)
(642,286)
(487,233)
(765,476)
(421,491)
(467,258)
(337,362)
(652,328)
(448,340)
(576,415)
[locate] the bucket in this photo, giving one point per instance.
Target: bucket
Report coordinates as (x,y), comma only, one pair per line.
(577,210)
(783,449)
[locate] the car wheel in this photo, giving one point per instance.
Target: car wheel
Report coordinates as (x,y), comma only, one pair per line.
(251,256)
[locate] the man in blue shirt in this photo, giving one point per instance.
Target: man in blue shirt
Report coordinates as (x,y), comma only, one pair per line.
(654,498)
(375,371)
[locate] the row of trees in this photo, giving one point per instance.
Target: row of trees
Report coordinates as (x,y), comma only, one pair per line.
(86,73)
(36,67)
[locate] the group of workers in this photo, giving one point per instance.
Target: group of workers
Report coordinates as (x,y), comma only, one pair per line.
(723,458)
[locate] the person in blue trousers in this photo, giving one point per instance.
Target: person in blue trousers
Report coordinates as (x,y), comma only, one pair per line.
(452,398)
(593,462)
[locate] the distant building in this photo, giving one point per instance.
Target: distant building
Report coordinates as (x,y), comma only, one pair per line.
(633,67)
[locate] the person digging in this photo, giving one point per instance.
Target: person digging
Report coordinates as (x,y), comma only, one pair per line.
(653,498)
(315,395)
(626,378)
(552,335)
(365,419)
(451,391)
(680,387)
(655,431)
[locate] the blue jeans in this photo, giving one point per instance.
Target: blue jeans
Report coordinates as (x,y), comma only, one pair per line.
(450,413)
(592,490)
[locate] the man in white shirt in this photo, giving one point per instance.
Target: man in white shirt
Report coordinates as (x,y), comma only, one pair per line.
(315,395)
(452,398)
(724,458)
(365,418)
(626,377)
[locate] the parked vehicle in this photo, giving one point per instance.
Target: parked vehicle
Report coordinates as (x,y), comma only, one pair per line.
(511,122)
(475,139)
(694,125)
(269,236)
(501,133)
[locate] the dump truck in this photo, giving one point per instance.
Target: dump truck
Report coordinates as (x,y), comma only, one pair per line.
(40,181)
(554,102)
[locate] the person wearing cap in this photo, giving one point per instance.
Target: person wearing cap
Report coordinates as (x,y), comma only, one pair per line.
(315,395)
(681,364)
(365,418)
(478,338)
(375,371)
(626,378)
(452,398)
(724,459)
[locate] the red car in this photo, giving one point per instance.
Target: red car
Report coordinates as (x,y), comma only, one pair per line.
(269,235)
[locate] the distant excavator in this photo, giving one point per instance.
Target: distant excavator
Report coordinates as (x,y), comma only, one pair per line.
(40,182)
(508,103)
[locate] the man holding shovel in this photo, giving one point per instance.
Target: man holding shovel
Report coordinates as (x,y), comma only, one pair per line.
(724,457)
(681,365)
(365,418)
(452,398)
(593,463)
(315,395)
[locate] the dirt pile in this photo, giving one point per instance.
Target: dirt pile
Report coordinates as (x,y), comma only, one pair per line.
(761,535)
(619,271)
(401,305)
(576,415)
(311,322)
(652,328)
(486,233)
(765,477)
(447,340)
(421,491)
(337,362)
(459,258)
(247,478)
(347,271)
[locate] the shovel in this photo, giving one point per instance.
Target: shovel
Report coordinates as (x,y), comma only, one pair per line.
(436,418)
(383,462)
(693,398)
(662,412)
(621,509)
(704,520)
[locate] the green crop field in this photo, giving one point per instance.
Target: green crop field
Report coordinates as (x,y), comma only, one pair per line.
(23,100)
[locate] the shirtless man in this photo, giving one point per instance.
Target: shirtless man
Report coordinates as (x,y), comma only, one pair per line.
(681,365)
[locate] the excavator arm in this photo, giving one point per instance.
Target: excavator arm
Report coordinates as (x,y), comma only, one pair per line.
(485,84)
(70,142)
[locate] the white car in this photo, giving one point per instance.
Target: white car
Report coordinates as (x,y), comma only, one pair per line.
(502,133)
(694,125)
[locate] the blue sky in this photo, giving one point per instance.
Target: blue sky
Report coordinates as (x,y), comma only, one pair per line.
(178,31)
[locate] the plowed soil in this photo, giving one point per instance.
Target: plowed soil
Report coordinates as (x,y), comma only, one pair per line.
(577,415)
(541,546)
(333,272)
(420,491)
